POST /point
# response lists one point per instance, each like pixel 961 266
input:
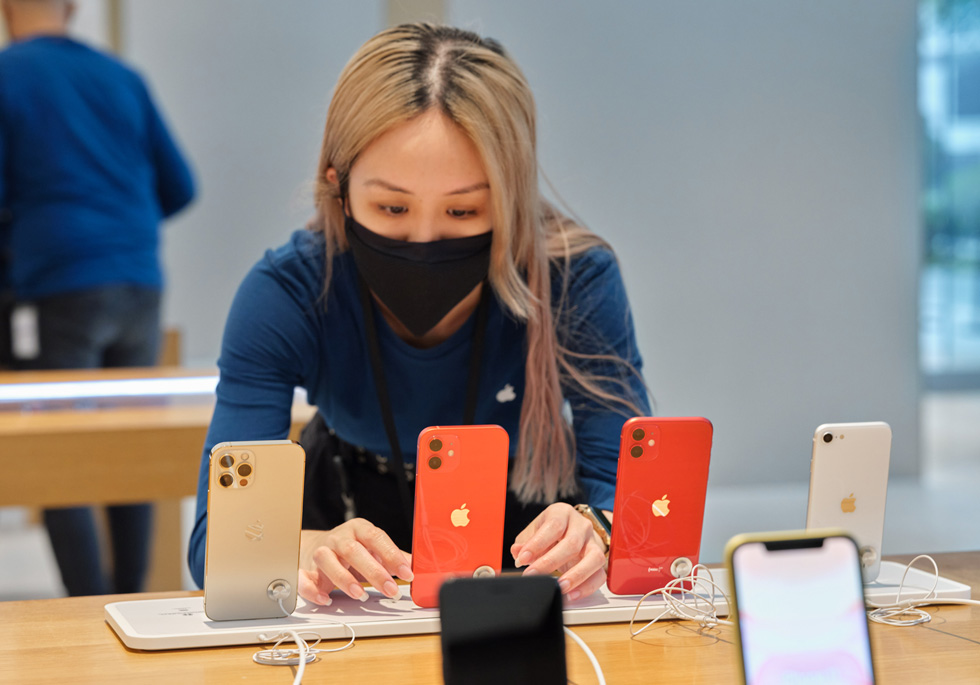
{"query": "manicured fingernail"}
pixel 572 596
pixel 323 600
pixel 405 572
pixel 532 572
pixel 391 590
pixel 357 592
pixel 564 585
pixel 523 559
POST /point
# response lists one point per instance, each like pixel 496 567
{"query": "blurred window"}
pixel 949 103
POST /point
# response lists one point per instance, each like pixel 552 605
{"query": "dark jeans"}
pixel 332 464
pixel 6 309
pixel 111 326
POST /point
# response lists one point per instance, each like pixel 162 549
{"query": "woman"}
pixel 435 286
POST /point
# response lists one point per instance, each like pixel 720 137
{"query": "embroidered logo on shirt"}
pixel 506 394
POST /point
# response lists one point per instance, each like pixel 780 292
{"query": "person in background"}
pixel 87 172
pixel 436 286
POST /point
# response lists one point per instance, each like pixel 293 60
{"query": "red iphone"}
pixel 460 495
pixel 659 506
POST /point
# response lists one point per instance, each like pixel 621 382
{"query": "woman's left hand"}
pixel 561 539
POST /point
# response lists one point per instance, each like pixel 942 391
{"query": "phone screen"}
pixel 801 612
pixel 506 629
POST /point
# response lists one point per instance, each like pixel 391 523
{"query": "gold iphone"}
pixel 255 512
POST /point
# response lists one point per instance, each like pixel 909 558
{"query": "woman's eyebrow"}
pixel 482 185
pixel 381 183
pixel 387 186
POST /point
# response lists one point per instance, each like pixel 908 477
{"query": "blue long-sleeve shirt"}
pixel 87 169
pixel 281 334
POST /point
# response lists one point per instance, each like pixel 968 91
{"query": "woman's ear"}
pixel 334 179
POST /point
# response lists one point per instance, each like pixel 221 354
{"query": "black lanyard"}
pixel 381 386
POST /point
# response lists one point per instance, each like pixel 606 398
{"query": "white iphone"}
pixel 848 484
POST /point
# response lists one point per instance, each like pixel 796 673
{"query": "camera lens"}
pixel 226 480
pixel 245 470
pixel 435 445
pixel 827 437
pixel 638 434
pixel 435 462
pixel 636 452
pixel 227 460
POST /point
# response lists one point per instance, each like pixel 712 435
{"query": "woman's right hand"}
pixel 343 557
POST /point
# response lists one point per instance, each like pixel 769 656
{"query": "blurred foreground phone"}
pixel 460 496
pixel 255 509
pixel 658 511
pixel 848 484
pixel 502 630
pixel 799 599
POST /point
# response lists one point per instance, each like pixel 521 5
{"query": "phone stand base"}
pixel 180 622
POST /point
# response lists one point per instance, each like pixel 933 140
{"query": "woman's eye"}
pixel 460 213
pixel 394 210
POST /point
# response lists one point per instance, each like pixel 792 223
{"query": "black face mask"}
pixel 419 282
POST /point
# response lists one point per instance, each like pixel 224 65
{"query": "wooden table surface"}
pixel 120 454
pixel 67 640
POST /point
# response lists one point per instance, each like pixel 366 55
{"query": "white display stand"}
pixel 178 623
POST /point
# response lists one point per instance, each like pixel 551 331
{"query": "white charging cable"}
pixel 304 653
pixel 683 600
pixel 588 653
pixel 905 611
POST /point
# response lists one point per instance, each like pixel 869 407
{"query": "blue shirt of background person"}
pixel 88 169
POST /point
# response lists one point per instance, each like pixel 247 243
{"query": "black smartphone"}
pixel 799 603
pixel 507 629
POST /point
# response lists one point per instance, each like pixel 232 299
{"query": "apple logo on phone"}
pixel 254 531
pixel 661 507
pixel 847 504
pixel 460 517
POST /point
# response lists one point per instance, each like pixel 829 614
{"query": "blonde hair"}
pixel 407 70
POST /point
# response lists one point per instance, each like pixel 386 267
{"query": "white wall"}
pixel 91 22
pixel 755 165
pixel 244 85
pixel 753 162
